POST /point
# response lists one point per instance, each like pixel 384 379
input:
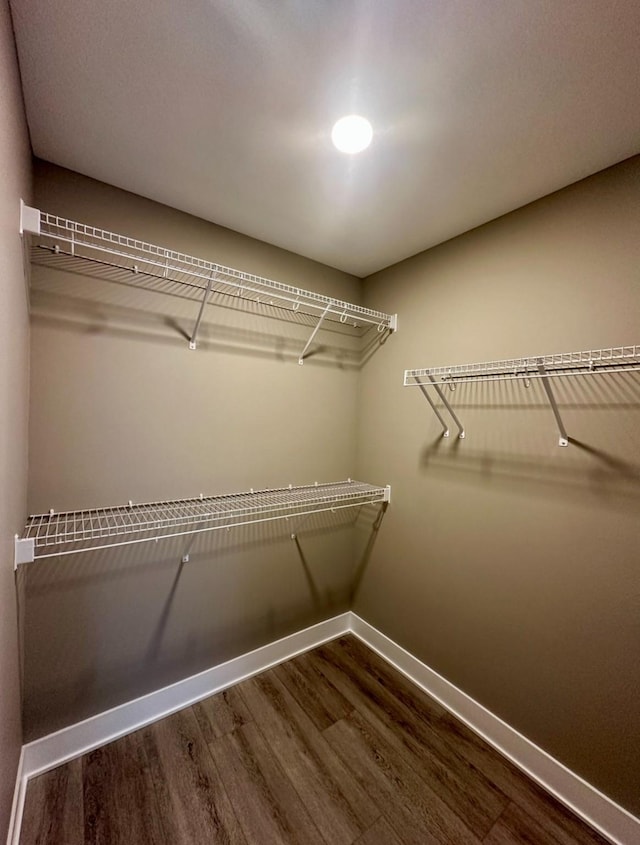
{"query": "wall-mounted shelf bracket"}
pixel 314 332
pixel 432 383
pixel 25 550
pixel 445 402
pixel 563 440
pixel 434 408
pixel 192 339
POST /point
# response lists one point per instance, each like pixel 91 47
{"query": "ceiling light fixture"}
pixel 352 134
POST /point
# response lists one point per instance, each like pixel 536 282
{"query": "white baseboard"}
pixel 15 820
pixel 54 749
pixel 613 821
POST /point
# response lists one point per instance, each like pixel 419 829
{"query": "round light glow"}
pixel 352 134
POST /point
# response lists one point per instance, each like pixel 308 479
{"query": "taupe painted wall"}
pixel 15 182
pixel 506 563
pixel 122 409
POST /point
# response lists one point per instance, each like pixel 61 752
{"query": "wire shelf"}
pixel 67 237
pixel 53 534
pixel 595 361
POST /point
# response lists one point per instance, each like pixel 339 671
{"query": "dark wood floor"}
pixel 331 748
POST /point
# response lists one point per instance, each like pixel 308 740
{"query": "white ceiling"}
pixel 223 108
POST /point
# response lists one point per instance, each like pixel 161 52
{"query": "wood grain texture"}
pixel 53 810
pixel 339 806
pixel 380 833
pixel 346 743
pixel 335 747
pixel 303 680
pixel 433 816
pixel 263 797
pixel 194 805
pixel 221 714
pixel 515 827
pixel 119 796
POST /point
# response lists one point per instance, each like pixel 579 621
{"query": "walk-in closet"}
pixel 320 429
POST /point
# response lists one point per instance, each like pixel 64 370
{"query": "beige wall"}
pixel 506 563
pixel 122 409
pixel 15 182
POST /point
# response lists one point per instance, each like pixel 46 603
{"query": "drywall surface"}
pixel 15 182
pixel 510 565
pixel 123 410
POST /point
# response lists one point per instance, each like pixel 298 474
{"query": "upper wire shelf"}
pixel 616 359
pixel 70 532
pixel 67 237
pixel 594 361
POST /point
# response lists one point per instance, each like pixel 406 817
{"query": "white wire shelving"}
pixel 618 359
pixel 71 532
pixel 78 240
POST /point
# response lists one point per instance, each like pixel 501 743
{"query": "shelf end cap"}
pixel 24 551
pixel 29 219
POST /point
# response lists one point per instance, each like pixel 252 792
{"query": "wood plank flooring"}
pixel 333 747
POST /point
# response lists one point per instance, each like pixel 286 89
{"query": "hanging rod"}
pixel 71 532
pixel 617 359
pixel 67 237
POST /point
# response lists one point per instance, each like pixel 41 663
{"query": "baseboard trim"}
pixel 54 749
pixel 17 806
pixel 612 821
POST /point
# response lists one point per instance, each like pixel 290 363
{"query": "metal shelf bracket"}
pixel 192 339
pixel 445 402
pixel 314 333
pixel 425 393
pixel 563 440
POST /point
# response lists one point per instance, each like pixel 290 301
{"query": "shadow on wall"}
pixel 510 439
pixel 119 303
pixel 365 536
pixel 107 626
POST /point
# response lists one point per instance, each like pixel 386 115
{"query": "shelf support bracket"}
pixel 425 392
pixel 192 339
pixel 563 440
pixel 445 402
pixel 24 551
pixel 314 333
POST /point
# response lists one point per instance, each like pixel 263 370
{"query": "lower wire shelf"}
pixel 71 532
